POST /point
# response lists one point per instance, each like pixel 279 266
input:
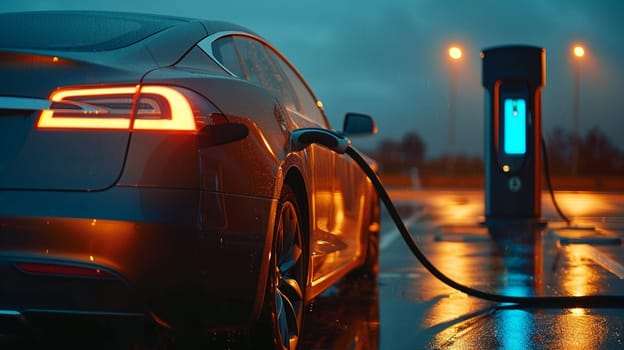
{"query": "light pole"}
pixel 455 53
pixel 579 52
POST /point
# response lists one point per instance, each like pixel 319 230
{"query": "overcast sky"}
pixel 388 58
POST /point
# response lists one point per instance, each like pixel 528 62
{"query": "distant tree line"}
pixel 595 155
pixel 404 155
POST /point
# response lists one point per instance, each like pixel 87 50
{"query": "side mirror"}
pixel 356 124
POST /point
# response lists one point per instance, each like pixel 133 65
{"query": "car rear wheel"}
pixel 282 316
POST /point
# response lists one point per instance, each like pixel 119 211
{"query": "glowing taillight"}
pixel 181 117
pixel 62 270
pixel 153 107
pixel 86 109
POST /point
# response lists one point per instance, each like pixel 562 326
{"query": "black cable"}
pixel 588 301
pixel 549 184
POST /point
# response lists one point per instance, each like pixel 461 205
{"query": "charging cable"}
pixel 301 138
pixel 549 184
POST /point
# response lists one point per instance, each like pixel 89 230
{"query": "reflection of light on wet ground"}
pixel 579 278
pixel 589 252
pixel 575 204
pixel 461 261
pixel 458 208
pixel 420 312
pixel 455 262
pixel 448 308
pixel 581 331
pixel 516 326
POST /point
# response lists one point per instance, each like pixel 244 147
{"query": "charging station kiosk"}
pixel 513 77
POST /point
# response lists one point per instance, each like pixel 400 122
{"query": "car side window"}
pixel 260 69
pixel 309 106
pixel 225 52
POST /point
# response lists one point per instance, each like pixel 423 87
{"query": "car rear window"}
pixel 73 31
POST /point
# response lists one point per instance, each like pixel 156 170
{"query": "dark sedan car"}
pixel 148 174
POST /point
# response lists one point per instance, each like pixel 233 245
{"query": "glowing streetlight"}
pixel 578 52
pixel 455 53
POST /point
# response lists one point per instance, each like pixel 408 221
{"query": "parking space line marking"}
pixel 600 258
pixel 388 237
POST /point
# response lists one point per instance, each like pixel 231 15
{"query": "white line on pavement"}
pixel 388 237
pixel 600 258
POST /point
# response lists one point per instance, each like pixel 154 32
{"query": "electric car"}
pixel 148 174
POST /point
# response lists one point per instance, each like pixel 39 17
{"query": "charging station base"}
pixel 530 223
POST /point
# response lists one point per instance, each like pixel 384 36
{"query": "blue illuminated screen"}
pixel 515 126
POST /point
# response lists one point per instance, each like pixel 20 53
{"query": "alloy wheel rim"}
pixel 289 277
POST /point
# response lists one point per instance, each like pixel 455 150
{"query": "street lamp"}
pixel 455 53
pixel 578 52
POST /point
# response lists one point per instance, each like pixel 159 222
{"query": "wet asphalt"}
pixel 408 308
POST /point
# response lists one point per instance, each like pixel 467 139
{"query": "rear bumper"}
pixel 51 329
pixel 169 254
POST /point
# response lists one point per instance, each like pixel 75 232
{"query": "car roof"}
pixel 149 40
pixel 88 31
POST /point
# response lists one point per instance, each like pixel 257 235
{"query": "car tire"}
pixel 281 321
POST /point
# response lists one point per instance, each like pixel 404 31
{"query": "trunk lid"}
pixel 33 158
